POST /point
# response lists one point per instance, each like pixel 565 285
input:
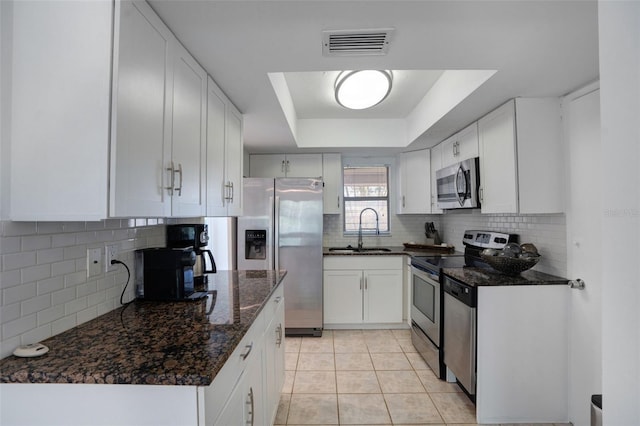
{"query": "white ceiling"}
pixel 539 48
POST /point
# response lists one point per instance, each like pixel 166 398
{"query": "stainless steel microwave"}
pixel 458 185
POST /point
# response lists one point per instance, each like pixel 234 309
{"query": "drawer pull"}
pixel 279 335
pixel 251 406
pixel 248 348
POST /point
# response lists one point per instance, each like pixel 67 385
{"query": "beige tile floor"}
pixel 366 377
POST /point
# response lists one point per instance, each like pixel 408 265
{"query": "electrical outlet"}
pixel 110 253
pixel 94 262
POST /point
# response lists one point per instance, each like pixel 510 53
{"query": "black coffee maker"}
pixel 196 236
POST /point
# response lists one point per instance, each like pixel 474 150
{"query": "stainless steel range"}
pixel 427 315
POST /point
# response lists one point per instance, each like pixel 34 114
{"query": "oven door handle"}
pixel 434 276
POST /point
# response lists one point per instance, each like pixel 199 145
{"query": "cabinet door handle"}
pixel 179 188
pixel 232 192
pixel 248 348
pixel 403 201
pixel 227 191
pixel 360 283
pixel 279 335
pixel 481 194
pixel 282 167
pixel 338 201
pixel 172 170
pixel 277 299
pixel 251 407
pixel 365 283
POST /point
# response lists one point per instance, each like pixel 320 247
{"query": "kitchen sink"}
pixel 350 249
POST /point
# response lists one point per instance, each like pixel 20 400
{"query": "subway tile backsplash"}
pixel 547 232
pixel 44 289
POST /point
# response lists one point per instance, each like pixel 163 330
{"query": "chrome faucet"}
pixel 360 225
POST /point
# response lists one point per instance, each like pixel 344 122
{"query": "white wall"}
pixel 44 288
pixel 619 27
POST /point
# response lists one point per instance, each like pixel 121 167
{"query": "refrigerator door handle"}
pixel 276 233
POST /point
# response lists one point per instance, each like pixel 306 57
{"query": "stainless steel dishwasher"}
pixel 460 301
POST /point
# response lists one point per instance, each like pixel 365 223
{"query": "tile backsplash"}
pixel 547 232
pixel 403 229
pixel 44 289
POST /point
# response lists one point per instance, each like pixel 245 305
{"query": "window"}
pixel 366 187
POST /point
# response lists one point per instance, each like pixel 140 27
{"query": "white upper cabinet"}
pixel 159 109
pixel 188 135
pixel 461 146
pixel 332 193
pixel 521 157
pixel 285 165
pixel 234 156
pixel 141 138
pixel 414 182
pixel 59 110
pixel 224 155
pixel 136 84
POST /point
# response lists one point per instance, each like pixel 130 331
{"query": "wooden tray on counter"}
pixel 429 247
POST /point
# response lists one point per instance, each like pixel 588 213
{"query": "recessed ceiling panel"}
pixel 313 94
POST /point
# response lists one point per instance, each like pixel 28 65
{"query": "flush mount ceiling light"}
pixel 362 89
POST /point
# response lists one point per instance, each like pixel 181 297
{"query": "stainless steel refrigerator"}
pixel 281 228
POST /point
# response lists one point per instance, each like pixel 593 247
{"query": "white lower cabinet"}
pixel 247 389
pixel 245 405
pixel 342 297
pixel 363 290
pixel 274 363
pixel 523 362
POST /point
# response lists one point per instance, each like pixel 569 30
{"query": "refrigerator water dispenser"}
pixel 255 244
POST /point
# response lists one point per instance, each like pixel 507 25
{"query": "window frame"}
pixel 369 162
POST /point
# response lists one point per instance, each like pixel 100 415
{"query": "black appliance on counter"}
pixel 195 236
pixel 428 294
pixel 166 274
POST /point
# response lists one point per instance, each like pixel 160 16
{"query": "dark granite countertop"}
pixel 159 343
pixel 478 277
pixel 394 251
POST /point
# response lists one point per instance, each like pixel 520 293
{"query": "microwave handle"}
pixel 459 173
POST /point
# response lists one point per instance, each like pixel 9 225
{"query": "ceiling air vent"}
pixel 356 42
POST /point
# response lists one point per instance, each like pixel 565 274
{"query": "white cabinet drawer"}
pixel 275 301
pixel 362 262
